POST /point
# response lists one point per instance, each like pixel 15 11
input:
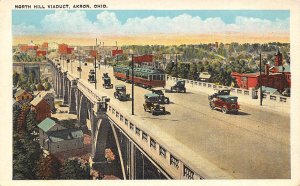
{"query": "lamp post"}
pixel 95 66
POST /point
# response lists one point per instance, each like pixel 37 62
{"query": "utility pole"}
pixel 261 93
pixel 176 66
pixel 132 85
pixel 95 67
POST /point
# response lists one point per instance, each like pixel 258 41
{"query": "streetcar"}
pixel 144 77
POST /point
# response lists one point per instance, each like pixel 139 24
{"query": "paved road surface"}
pixel 252 144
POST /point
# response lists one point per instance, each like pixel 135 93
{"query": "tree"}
pixel 193 75
pixel 74 170
pixel 48 168
pixel 40 87
pixel 47 86
pixel 16 78
pixel 26 154
pixel 31 125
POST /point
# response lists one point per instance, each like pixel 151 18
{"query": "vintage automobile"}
pixel 151 104
pixel 105 75
pixel 162 98
pixel 225 103
pixel 91 78
pixel 219 92
pixel 107 82
pixel 178 87
pixel 120 93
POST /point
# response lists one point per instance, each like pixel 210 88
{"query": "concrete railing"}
pixel 168 160
pixel 238 91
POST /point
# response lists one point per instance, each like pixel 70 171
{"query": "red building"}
pixel 143 58
pixel 116 52
pixel 41 107
pixel 45 45
pixel 70 50
pixel 278 59
pixel 41 53
pixel 63 48
pixel 278 76
pixel 93 53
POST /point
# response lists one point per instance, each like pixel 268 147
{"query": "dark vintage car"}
pixel 162 98
pixel 106 81
pixel 151 104
pixel 91 78
pixel 178 87
pixel 225 103
pixel 120 93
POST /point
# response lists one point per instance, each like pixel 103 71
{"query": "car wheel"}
pixel 224 110
pixel 236 112
pixel 211 105
pixel 167 101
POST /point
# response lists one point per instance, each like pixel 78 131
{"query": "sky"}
pixel 155 25
pixel 149 22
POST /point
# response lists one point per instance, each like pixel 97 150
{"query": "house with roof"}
pixel 48 96
pixel 23 96
pixel 41 107
pixel 56 138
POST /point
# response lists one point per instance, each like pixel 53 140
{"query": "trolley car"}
pixel 144 77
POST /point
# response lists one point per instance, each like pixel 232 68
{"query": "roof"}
pixel 36 100
pixel 269 89
pixel 44 93
pixel 66 134
pixel 19 92
pixel 227 96
pixel 119 86
pixel 205 75
pixel 151 95
pixel 46 124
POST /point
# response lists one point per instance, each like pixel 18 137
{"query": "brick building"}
pixel 277 77
pixel 41 107
pixel 144 60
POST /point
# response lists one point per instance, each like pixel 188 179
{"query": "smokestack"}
pixel 267 69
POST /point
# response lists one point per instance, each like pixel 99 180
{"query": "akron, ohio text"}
pixel 64 6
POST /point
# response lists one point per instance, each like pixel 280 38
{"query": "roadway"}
pixel 252 144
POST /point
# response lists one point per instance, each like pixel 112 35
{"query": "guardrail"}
pixel 238 91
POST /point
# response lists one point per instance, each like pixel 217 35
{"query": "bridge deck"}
pixel 253 144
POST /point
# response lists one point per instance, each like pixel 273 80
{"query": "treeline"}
pixel 29 82
pixel 24 57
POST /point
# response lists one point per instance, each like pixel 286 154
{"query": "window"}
pixel 174 161
pixel 152 143
pixel 150 77
pixel 162 152
pixel 188 173
pixel 137 131
pixel 154 77
pixel 145 136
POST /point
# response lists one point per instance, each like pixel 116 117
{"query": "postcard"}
pixel 197 92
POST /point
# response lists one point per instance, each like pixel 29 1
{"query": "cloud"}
pixel 23 29
pixel 107 23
